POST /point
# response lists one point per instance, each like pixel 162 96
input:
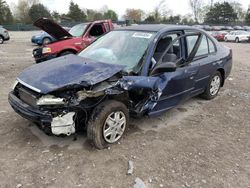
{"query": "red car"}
pixel 219 35
pixel 72 42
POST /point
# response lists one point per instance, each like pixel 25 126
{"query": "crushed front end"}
pixel 62 112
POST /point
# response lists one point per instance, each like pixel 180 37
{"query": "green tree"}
pixel 247 19
pixel 110 14
pixel 75 13
pixel 38 11
pixel 221 13
pixel 56 16
pixel 150 19
pixel 5 13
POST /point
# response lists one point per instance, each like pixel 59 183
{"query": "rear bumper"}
pixel 29 112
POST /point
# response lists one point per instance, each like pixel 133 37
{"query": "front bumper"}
pixel 40 57
pixel 63 124
pixel 29 112
pixel 7 38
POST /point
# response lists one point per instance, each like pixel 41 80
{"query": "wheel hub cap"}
pixel 114 127
pixel 215 85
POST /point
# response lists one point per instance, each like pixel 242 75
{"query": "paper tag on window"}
pixel 142 35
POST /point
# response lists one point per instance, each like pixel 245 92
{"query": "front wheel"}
pixel 237 40
pixel 108 124
pixel 213 87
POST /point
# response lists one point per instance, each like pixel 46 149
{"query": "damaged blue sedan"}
pixel 132 71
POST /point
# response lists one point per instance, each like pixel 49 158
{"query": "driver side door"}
pixel 180 83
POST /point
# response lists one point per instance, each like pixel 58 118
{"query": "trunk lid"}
pixel 66 71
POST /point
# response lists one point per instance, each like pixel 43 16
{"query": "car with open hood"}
pixel 135 71
pixel 68 42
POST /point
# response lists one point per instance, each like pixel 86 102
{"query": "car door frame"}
pixel 182 74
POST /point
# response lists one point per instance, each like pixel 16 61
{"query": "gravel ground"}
pixel 198 144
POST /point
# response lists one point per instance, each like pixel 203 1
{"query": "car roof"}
pixel 156 27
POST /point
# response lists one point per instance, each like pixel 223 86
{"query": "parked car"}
pixel 4 35
pixel 246 28
pixel 138 70
pixel 72 42
pixel 44 38
pixel 229 28
pixel 238 28
pixel 219 35
pixel 237 36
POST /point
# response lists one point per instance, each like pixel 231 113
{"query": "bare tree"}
pixel 196 6
pixel 161 11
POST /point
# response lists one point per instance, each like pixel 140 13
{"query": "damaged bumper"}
pixel 61 124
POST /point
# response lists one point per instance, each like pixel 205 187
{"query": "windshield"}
pixel 78 30
pixel 120 48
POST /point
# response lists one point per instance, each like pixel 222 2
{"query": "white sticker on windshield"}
pixel 142 35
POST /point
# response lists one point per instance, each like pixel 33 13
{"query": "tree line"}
pixel 27 11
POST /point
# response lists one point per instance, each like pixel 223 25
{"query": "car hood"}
pixel 66 71
pixel 52 28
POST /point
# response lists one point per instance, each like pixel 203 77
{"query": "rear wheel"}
pixel 213 86
pixel 237 40
pixel 226 40
pixel 108 124
pixel 1 40
pixel 46 41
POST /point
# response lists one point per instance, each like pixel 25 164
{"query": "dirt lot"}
pixel 199 144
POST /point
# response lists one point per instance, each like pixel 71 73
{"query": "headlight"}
pixel 50 100
pixel 14 85
pixel 46 50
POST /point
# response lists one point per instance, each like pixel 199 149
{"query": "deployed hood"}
pixel 52 28
pixel 66 71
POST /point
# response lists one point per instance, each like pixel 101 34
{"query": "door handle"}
pixel 191 72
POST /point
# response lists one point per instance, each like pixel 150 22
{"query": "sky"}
pixel 177 6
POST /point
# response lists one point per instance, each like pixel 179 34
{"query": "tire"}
pixel 237 40
pixel 215 82
pixel 98 124
pixel 46 40
pixel 66 53
pixel 1 40
pixel 225 39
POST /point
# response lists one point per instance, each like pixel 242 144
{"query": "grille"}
pixel 27 96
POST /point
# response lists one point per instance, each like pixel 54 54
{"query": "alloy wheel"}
pixel 114 127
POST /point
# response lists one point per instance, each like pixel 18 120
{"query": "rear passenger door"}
pixel 204 58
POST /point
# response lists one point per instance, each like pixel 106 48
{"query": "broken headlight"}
pixel 50 100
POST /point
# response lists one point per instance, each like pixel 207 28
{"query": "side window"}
pixel 203 48
pixel 96 30
pixel 211 46
pixel 174 51
pixel 191 40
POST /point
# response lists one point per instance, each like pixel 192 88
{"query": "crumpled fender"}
pixel 154 84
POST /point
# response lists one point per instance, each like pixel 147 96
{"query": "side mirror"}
pixel 164 67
